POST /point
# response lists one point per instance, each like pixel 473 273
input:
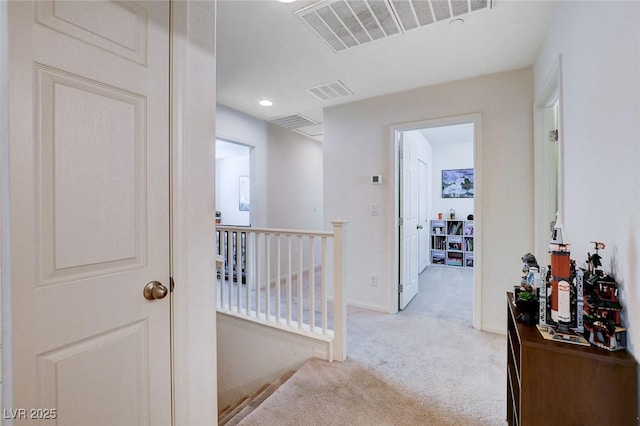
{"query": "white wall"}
pixel 228 172
pixel 287 171
pixel 600 47
pixel 251 355
pixel 295 180
pixel 446 157
pixel 235 126
pixel 357 144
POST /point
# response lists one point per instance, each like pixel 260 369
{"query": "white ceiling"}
pixel 265 51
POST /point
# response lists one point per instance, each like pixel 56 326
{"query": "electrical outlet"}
pixel 373 210
pixel 374 280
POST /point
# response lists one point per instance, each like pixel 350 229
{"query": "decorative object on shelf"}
pixel 469 217
pixel 601 308
pixel 457 183
pixel 452 214
pixel 439 216
pixel 526 294
pixel 218 216
pixel 550 333
pixel 572 301
pixel 565 300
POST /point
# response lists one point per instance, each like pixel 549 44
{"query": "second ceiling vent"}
pixel 293 121
pixel 332 90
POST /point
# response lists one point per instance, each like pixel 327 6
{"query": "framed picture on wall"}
pixel 244 194
pixel 457 183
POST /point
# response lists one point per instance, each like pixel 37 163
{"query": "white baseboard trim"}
pixel 493 328
pixel 369 306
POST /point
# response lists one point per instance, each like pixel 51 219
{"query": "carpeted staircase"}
pixel 234 413
pixel 424 366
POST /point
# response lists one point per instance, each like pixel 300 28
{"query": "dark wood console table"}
pixel 552 383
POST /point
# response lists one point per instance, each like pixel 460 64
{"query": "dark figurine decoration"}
pixel 601 309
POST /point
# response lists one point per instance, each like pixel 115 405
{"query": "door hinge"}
pixel 172 284
pixel 400 221
pixel 553 136
pixel 400 288
pixel 401 154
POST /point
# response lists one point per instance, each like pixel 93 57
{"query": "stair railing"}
pixel 285 279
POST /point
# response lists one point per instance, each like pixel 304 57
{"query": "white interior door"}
pixel 423 217
pixel 409 225
pixel 89 144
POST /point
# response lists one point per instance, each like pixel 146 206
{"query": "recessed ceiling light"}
pixel 456 22
pixel 286 1
pixel 265 102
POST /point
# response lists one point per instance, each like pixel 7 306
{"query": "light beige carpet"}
pixel 424 366
pixel 347 394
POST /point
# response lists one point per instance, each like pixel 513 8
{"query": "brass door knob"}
pixel 154 290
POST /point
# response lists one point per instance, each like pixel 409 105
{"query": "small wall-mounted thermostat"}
pixel 376 179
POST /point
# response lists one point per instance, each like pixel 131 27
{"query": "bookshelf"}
pixel 452 243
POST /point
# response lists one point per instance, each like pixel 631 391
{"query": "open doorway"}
pixel 548 159
pixel 233 183
pixel 437 200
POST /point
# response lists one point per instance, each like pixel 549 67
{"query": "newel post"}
pixel 339 291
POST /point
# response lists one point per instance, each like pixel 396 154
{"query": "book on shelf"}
pixel 454 228
pixel 468 242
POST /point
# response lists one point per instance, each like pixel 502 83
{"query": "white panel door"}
pixel 90 210
pixel 409 227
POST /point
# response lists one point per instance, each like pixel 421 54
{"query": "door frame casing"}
pixel 394 223
pixel 192 212
pixel 6 379
pixel 550 93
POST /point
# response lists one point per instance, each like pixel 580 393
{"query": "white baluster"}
pixel 312 285
pixel 300 292
pixel 267 273
pixel 323 279
pixel 278 275
pixel 230 268
pixel 288 279
pixel 339 292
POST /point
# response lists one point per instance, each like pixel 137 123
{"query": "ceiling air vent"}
pixel 326 91
pixel 344 24
pixel 293 121
pixel 311 131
